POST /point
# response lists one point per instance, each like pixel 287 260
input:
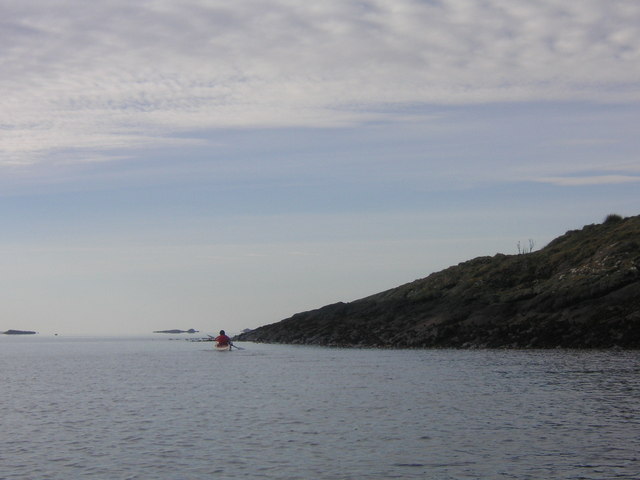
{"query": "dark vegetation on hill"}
pixel 581 291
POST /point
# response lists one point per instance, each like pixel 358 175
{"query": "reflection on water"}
pixel 140 408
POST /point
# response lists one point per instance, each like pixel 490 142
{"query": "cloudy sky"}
pixel 210 164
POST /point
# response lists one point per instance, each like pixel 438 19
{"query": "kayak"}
pixel 222 348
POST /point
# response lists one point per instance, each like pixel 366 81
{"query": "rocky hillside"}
pixel 582 291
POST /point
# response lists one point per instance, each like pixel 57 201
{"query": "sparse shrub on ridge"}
pixel 613 218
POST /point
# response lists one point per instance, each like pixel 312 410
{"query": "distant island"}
pixel 191 330
pixel 19 332
pixel 580 291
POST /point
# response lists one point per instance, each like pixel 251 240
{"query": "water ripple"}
pixel 167 410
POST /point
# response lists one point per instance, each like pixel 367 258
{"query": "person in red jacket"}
pixel 222 340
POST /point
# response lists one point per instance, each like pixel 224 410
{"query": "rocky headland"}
pixel 580 291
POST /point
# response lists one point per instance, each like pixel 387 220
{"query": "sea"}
pixel 157 408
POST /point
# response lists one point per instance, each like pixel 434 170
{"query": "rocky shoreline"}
pixel 581 291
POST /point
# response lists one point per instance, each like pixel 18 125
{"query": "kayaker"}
pixel 222 340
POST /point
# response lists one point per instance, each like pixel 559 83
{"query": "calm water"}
pixel 160 409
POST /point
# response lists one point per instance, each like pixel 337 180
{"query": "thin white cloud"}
pixel 579 181
pixel 112 75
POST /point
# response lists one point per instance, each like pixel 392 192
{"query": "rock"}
pixel 191 330
pixel 580 291
pixel 19 332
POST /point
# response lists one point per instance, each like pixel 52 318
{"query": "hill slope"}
pixel 582 290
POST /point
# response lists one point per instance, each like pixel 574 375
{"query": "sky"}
pixel 224 165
